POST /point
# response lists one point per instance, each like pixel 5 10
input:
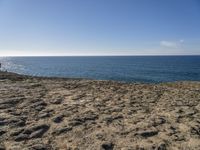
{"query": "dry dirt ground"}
pixel 78 114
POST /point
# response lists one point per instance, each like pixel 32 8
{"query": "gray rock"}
pixel 162 146
pixel 107 146
pixel 38 131
pixel 37 134
pixel 21 137
pixel 147 133
pixel 58 119
pixel 39 105
pixel 16 132
pixel 61 130
pixel 3 121
pixel 44 115
pixel 56 101
pixel 39 147
pixel 39 108
pixel 110 119
pixel 18 123
pixel 195 130
pixel 31 132
pixel 2 132
pixel 158 121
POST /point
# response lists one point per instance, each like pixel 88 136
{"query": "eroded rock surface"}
pixel 77 114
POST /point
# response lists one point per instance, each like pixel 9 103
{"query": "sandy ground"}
pixel 77 114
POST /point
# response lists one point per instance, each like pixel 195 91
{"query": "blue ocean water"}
pixel 121 68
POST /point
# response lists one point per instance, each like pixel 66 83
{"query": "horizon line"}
pixel 95 55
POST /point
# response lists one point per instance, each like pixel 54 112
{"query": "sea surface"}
pixel 151 69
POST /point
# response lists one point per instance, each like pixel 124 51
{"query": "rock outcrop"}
pixel 78 114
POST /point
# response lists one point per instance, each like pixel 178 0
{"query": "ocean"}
pixel 148 69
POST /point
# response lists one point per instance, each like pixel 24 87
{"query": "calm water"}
pixel 121 68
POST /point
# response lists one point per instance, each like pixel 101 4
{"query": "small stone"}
pixel 147 133
pixel 75 123
pixel 39 147
pixel 19 123
pixel 37 134
pixel 110 119
pixel 56 101
pixel 2 132
pixel 107 146
pixel 198 120
pixel 158 121
pixel 61 130
pixel 196 130
pixel 99 136
pixel 3 122
pixel 58 119
pixel 38 131
pixel 44 115
pixel 39 108
pixel 162 146
pixel 39 105
pixel 16 132
pixel 21 137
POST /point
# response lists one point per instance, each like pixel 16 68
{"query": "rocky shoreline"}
pixel 40 113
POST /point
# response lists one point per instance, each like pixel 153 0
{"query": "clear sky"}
pixel 99 27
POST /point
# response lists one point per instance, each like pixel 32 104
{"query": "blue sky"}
pixel 99 27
